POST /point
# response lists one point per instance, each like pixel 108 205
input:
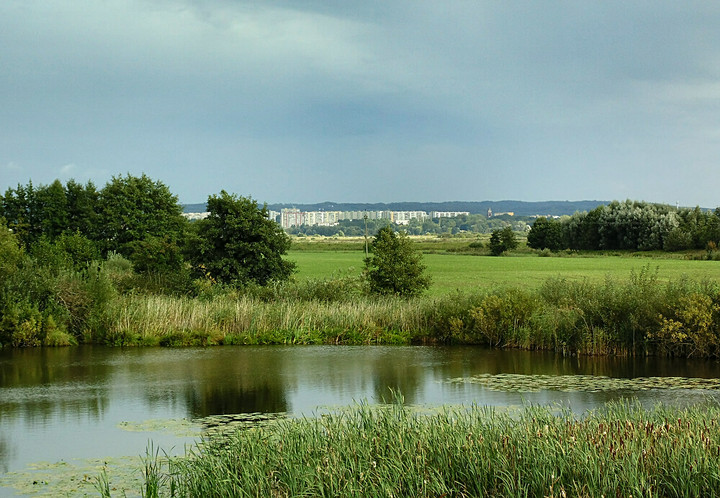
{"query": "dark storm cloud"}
pixel 366 101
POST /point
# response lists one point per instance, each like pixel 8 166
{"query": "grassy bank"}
pixel 601 305
pixel 640 315
pixel 621 450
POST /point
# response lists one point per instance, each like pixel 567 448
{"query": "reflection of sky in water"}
pixel 66 404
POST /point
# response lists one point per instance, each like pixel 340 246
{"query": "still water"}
pixel 62 404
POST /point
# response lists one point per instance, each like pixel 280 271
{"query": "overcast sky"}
pixel 366 101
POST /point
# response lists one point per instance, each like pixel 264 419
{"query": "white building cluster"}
pixel 292 217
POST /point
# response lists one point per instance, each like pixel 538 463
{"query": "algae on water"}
pixel 583 383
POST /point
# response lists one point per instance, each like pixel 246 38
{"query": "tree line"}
pixel 68 251
pixel 630 225
pixel 141 219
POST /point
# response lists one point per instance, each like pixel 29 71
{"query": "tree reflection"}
pixel 6 453
pixel 42 384
pixel 234 398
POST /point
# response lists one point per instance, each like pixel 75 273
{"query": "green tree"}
pixel 83 207
pixel 18 209
pixel 546 233
pixel 394 267
pixel 10 254
pixel 238 244
pixel 502 240
pixel 135 208
pixel 52 209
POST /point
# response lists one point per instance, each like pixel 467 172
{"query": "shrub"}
pixel 499 317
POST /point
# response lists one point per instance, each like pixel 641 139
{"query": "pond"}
pixel 93 404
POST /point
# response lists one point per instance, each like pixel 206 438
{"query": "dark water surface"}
pixel 70 403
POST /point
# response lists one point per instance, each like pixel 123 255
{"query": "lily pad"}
pixel 583 383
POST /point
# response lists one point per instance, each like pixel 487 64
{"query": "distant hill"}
pixel 520 208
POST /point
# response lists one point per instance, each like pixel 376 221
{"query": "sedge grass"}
pixel 620 450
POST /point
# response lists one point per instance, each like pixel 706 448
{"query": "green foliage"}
pixel 546 234
pixel 79 250
pixel 499 317
pixel 394 268
pixel 633 225
pixel 237 243
pixel 10 253
pixel 135 208
pixel 502 240
pixel 83 208
pixel 156 254
pixel 622 449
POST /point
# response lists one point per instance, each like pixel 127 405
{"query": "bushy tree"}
pixel 238 244
pixel 394 267
pixel 502 240
pixel 133 208
pixel 546 233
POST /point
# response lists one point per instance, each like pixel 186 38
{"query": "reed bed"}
pixel 640 317
pixel 168 320
pixel 620 450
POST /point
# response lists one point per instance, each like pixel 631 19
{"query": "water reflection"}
pixel 5 454
pixel 68 402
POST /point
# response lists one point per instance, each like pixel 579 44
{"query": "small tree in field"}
pixel 394 267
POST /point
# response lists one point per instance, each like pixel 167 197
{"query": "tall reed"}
pixel 621 450
pixel 640 316
pixel 248 320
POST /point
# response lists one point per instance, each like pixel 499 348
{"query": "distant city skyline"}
pixel 372 101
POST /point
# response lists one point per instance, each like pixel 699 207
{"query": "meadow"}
pixel 453 270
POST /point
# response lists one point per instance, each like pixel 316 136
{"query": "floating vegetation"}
pixel 209 426
pixel 221 425
pixel 583 383
pixel 76 477
pixel 176 427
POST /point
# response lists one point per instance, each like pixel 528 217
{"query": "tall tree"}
pixel 83 207
pixel 546 233
pixel 133 208
pixel 52 207
pixel 238 244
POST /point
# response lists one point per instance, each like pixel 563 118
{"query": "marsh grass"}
pixel 166 320
pixel 620 450
pixel 638 316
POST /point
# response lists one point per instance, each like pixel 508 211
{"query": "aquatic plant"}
pixel 619 450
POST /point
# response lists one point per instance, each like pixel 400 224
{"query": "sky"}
pixel 307 101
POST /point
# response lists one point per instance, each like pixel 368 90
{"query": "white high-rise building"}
pixel 291 217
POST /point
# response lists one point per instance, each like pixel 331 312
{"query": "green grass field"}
pixel 465 272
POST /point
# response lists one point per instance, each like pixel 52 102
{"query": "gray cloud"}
pixel 371 101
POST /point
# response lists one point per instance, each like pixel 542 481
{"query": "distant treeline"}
pixel 630 225
pixel 520 208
